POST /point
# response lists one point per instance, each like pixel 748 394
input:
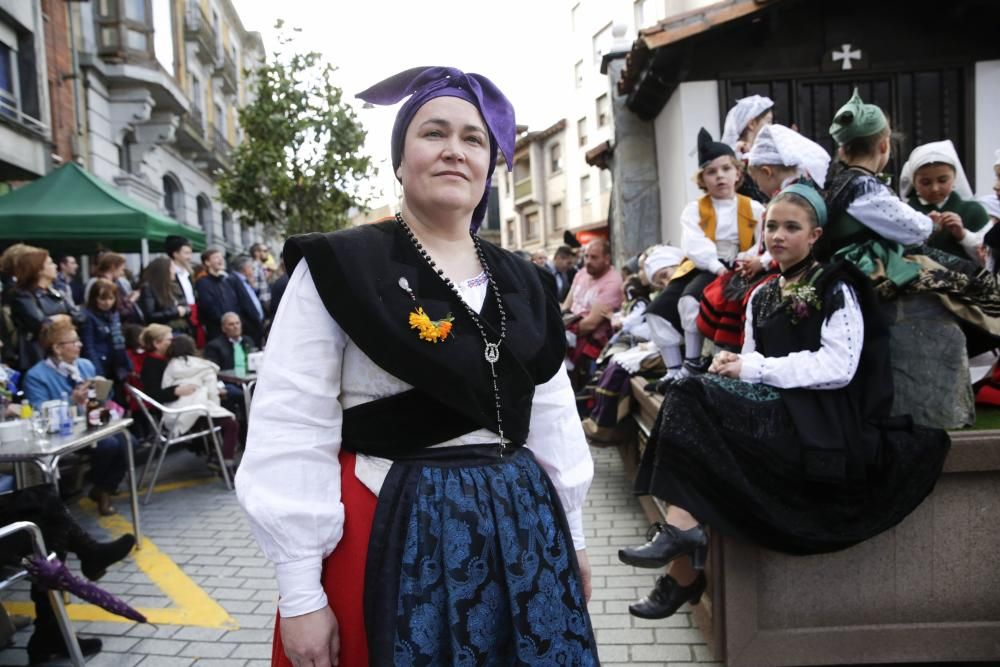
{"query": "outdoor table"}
pixel 46 455
pixel 245 380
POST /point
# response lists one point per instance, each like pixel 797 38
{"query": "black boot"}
pixel 43 649
pixel 668 596
pixel 95 557
pixel 666 544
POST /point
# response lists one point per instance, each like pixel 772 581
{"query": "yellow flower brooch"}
pixel 430 330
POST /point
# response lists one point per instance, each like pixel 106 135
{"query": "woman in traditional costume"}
pixel 744 121
pixel 415 466
pixel 884 237
pixel 933 182
pixel 718 231
pixel 788 444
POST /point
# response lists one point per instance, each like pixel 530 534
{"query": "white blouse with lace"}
pixel 289 479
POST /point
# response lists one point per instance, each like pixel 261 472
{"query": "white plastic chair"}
pixel 167 435
pixel 38 546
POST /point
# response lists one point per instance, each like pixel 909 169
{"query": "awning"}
pixel 72 210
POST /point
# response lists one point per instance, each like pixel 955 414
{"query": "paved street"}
pixel 201 579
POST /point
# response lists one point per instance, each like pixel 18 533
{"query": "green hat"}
pixel 857 119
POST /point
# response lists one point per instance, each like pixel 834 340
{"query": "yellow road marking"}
pixel 191 605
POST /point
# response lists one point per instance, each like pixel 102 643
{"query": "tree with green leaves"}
pixel 299 166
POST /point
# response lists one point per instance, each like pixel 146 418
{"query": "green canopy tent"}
pixel 72 210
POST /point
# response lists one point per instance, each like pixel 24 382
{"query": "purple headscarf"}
pixel 423 84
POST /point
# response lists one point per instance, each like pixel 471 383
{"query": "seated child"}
pixel 747 117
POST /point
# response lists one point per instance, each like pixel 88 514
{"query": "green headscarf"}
pixel 857 119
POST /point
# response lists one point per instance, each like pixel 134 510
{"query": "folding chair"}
pixel 166 435
pixel 38 545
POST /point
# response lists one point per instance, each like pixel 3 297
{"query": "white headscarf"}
pixel 739 116
pixel 660 257
pixel 779 145
pixel 937 151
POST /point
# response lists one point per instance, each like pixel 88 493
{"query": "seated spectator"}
pixel 101 333
pixel 34 302
pixel 63 373
pixel 175 376
pixel 788 444
pixel 42 506
pixel 111 267
pixel 215 293
pixel 162 302
pixel 933 182
pixel 250 309
pixel 229 352
pixel 595 294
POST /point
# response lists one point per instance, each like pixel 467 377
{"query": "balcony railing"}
pixel 10 109
pixel 523 189
pixel 223 150
pixel 227 75
pixel 198 29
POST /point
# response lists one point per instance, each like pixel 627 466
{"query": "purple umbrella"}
pixel 54 575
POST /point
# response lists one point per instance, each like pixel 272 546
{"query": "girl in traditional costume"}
pixel 788 444
pixel 781 156
pixel 884 237
pixel 415 466
pixel 717 232
pixel 744 121
pixel 933 182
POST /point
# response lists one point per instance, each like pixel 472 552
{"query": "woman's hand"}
pixel 731 369
pixel 721 360
pixel 312 640
pixel 185 390
pixel 182 311
pixel 80 391
pixel 584 561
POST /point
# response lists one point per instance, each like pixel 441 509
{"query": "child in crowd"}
pixel 744 121
pixel 781 156
pixel 101 333
pixel 870 227
pixel 789 444
pixel 933 182
pixel 717 231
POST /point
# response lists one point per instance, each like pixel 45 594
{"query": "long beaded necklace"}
pixel 491 351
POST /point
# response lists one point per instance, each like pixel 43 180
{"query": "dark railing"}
pixel 226 72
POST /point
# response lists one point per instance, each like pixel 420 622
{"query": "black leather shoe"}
pixel 668 596
pixel 46 649
pixel 666 543
pixel 95 557
pixel 697 365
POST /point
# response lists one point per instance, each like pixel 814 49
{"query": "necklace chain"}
pixel 491 350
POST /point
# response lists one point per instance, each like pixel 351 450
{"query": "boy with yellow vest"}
pixel 718 231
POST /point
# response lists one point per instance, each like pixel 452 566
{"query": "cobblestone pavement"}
pixel 216 608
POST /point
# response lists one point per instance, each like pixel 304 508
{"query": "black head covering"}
pixel 708 149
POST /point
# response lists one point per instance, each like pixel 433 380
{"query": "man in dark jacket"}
pixel 250 309
pixel 215 293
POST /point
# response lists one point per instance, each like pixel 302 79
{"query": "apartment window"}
pixel 585 190
pixel 648 12
pixel 8 81
pixel 578 73
pixel 205 215
pixel 220 119
pixel 522 170
pixel 558 217
pixel 603 111
pixel 531 226
pixel 605 180
pixel 125 152
pixel 125 29
pixel 511 232
pixel 581 130
pixel 555 158
pixel 19 95
pixel 173 197
pixel 601 43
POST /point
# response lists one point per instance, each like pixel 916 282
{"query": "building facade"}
pixel 162 80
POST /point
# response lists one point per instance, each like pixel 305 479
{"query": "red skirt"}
pixel 344 571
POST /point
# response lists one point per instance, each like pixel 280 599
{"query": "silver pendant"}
pixel 404 284
pixel 492 352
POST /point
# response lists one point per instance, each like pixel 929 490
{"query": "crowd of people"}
pixel 765 333
pixel 167 334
